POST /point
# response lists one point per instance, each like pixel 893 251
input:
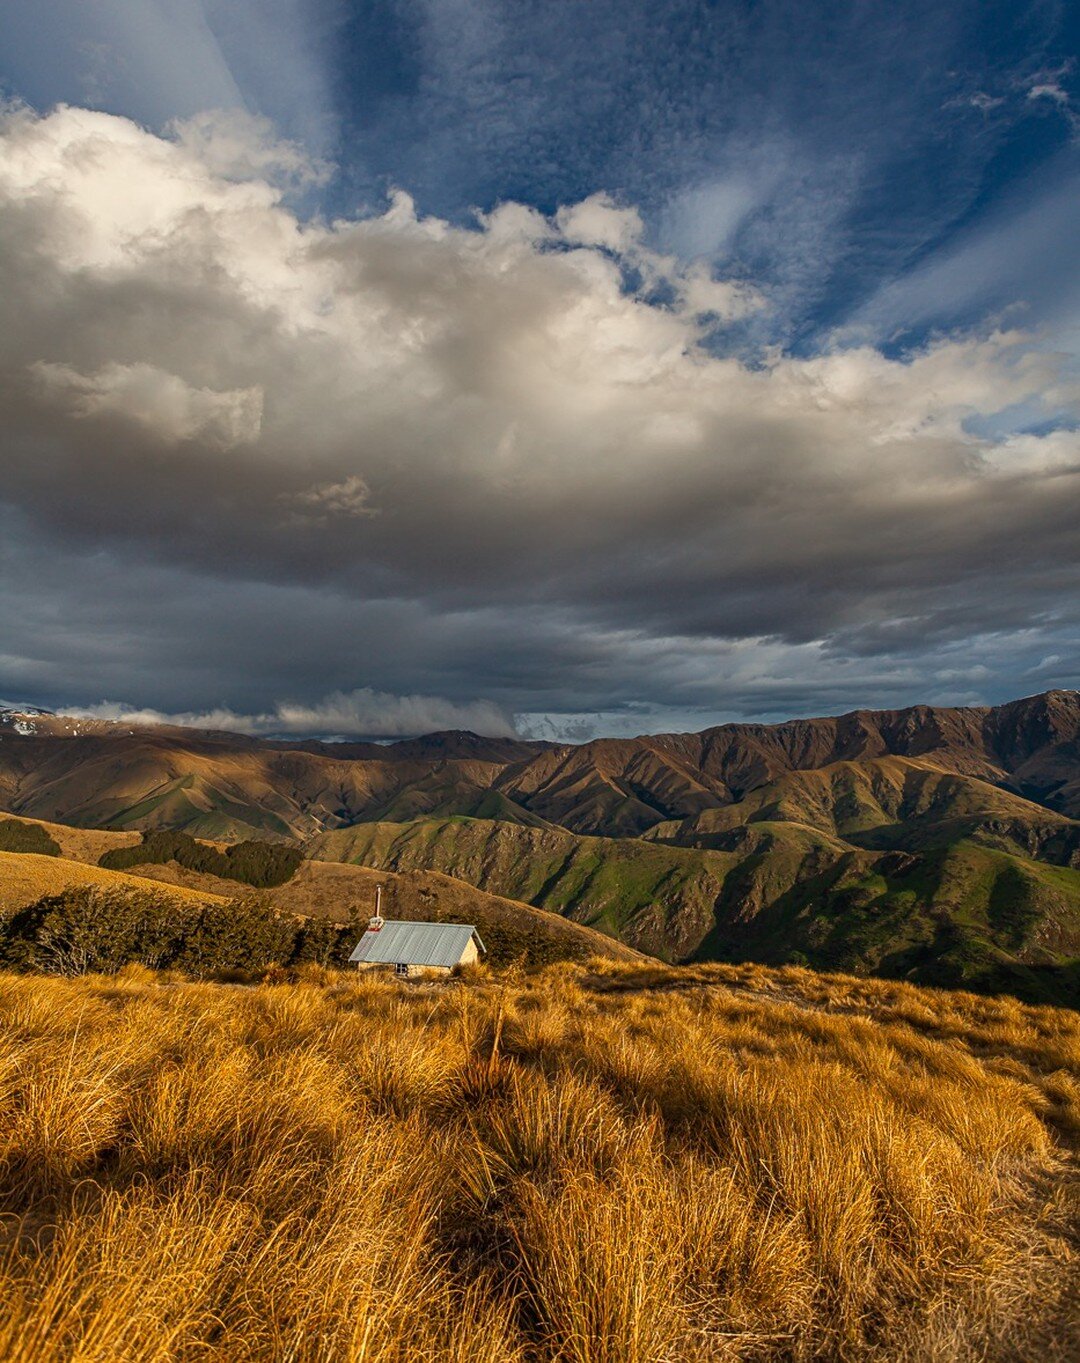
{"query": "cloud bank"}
pixel 510 461
pixel 360 713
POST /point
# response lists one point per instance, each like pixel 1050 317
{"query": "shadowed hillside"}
pixel 888 802
pixel 964 914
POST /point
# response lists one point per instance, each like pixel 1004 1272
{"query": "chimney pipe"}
pixel 377 922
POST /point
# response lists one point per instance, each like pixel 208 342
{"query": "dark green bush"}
pixel 324 943
pixel 17 836
pixel 241 934
pixel 262 865
pixel 91 929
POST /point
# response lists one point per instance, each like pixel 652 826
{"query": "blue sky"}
pixel 894 167
pixel 883 178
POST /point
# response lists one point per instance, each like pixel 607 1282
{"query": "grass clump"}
pixel 602 1164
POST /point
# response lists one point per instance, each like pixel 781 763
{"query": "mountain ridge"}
pixel 939 844
pixel 606 787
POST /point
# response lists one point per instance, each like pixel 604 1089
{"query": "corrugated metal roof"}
pixel 397 943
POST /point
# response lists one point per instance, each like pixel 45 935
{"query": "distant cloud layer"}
pixel 497 462
pixel 372 714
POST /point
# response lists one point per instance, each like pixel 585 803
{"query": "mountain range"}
pixel 937 843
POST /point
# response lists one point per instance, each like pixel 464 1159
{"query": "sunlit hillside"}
pixel 593 1164
pixel 26 877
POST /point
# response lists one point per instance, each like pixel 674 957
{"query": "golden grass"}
pixel 27 877
pixel 616 1164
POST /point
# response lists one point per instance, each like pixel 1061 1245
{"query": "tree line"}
pixel 262 865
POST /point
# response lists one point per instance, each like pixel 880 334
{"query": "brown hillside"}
pixel 340 892
pixel 882 802
pixel 1032 745
pixel 231 786
pixel 615 787
pixel 85 844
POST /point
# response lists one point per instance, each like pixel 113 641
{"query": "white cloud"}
pixel 599 221
pixel 378 715
pixel 701 295
pixel 983 102
pixel 1049 90
pixel 362 713
pixel 702 220
pixel 240 146
pixel 1053 92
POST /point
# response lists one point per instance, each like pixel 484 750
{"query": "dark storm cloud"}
pixel 284 468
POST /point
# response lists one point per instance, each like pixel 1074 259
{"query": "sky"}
pixel 370 367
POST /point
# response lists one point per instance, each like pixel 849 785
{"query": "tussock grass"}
pixel 603 1164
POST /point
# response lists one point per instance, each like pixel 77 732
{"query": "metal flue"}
pixel 377 922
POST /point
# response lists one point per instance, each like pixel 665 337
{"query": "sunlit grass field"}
pixel 606 1164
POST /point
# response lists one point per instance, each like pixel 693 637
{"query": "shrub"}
pixel 17 836
pixel 241 934
pixel 88 929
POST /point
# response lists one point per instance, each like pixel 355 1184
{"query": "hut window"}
pixel 401 968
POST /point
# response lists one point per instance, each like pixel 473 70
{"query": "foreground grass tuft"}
pixel 607 1164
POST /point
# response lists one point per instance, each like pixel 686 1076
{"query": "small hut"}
pixel 416 949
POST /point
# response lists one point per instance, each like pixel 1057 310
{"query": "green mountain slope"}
pixel 962 916
pixel 966 914
pixel 660 900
